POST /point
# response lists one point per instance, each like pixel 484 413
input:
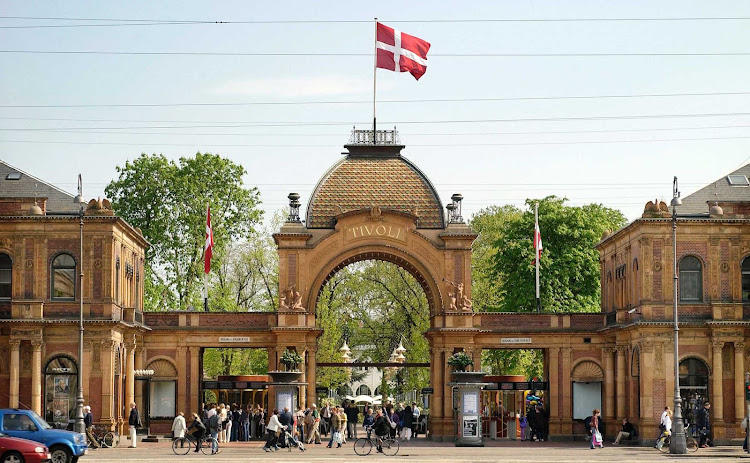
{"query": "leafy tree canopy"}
pixel 569 267
pixel 167 201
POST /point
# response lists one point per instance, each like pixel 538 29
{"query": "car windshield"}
pixel 40 420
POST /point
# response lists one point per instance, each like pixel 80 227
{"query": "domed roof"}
pixel 374 176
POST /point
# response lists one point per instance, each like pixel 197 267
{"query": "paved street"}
pixel 421 451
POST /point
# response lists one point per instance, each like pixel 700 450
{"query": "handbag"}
pixel 597 437
pixel 337 437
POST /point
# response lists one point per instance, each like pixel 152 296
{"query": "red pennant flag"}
pixel 209 249
pixel 537 241
pixel 401 52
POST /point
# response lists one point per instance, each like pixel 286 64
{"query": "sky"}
pixel 595 110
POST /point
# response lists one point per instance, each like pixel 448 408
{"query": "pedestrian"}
pixel 666 427
pixel 88 421
pixel 273 428
pixel 369 419
pixel 200 430
pixel 335 432
pixel 352 418
pixel 235 433
pixel 415 412
pixel 326 421
pixel 596 437
pixel 382 428
pixel 406 426
pixel 704 425
pixel 542 418
pixel 245 423
pixel 314 434
pixel 394 419
pixel 179 426
pixel 287 422
pixel 134 421
pixel 300 423
pixel 214 425
pixel 523 423
pixel 533 432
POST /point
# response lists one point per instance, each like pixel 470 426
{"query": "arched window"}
pixel 746 279
pixel 64 277
pixel 694 384
pixel 691 279
pixel 6 271
pixel 60 376
pixel 363 390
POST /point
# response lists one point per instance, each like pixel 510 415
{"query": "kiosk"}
pixel 467 386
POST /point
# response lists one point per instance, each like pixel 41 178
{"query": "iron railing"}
pixel 374 137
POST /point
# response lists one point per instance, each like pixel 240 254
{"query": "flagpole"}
pixel 375 82
pixel 537 232
pixel 205 275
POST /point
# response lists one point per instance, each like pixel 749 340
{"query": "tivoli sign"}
pixel 382 230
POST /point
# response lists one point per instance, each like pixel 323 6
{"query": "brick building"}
pixel 374 204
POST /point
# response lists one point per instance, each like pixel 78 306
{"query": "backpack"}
pixel 587 423
pixel 213 422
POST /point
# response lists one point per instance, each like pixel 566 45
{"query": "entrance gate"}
pixel 376 205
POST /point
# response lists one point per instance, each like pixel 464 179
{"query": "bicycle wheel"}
pixel 665 445
pixel 109 439
pixel 692 444
pixel 209 446
pixel 181 446
pixel 362 446
pixel 390 447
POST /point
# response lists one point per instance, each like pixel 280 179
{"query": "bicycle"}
pixel 182 445
pixel 363 446
pixel 690 442
pixel 105 439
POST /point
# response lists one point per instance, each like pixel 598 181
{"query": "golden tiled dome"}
pixel 375 176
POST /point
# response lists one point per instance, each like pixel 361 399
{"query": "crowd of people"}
pixel 534 424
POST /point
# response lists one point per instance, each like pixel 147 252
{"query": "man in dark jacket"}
pixel 382 428
pixel 352 417
pixel 134 421
pixel 287 420
pixel 704 425
pixel 200 430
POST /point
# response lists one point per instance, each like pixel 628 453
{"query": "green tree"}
pixel 167 201
pixel 569 266
pixel 234 361
pixel 526 362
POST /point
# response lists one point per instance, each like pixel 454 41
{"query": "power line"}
pixel 426 100
pixel 340 54
pixel 339 135
pixel 238 124
pixel 254 145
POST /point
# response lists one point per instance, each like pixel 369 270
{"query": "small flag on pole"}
pixel 400 52
pixel 209 249
pixel 537 240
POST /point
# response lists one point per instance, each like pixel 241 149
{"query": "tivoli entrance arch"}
pixel 375 204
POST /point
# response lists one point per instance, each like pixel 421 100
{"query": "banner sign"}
pixel 515 340
pixel 234 339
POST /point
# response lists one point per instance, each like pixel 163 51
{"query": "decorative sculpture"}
pixel 291 300
pixel 458 300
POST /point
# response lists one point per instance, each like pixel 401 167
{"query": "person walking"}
pixel 314 434
pixel 407 424
pixel 415 412
pixel 704 425
pixel 342 424
pixel 335 428
pixel 214 425
pixel 666 429
pixel 542 419
pixel 352 418
pixel 134 421
pixel 301 423
pixel 235 433
pixel 596 437
pixel 179 426
pixel 325 414
pixel 274 426
pixel 200 430
pixel 245 423
pixel 88 422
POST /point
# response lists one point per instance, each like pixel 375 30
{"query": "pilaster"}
pixel 717 391
pixel 15 370
pixel 621 352
pixel 739 379
pixel 36 375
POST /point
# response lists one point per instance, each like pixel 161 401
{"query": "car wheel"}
pixel 61 454
pixel 12 457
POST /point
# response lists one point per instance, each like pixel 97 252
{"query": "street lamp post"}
pixel 678 444
pixel 79 425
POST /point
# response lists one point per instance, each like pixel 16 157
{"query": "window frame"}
pixel 744 272
pixel 9 269
pixel 53 268
pixel 680 286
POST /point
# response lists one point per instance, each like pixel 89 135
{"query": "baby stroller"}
pixel 289 441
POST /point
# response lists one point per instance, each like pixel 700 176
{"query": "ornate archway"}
pixel 376 205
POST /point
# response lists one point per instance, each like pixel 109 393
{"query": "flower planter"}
pixel 467 376
pixel 284 377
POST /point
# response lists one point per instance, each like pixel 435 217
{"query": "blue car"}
pixel 64 446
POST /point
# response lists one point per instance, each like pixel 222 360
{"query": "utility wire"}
pixel 425 100
pixel 237 124
pixel 369 55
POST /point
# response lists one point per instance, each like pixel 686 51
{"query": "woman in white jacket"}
pixel 178 426
pixel 272 428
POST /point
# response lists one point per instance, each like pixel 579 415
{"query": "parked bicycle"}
pixel 663 443
pixel 182 445
pixel 104 437
pixel 363 445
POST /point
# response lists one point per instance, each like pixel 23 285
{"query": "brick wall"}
pixel 171 353
pixel 24 392
pixel 727 385
pixel 591 353
pixel 660 395
pixel 155 320
pixel 95 397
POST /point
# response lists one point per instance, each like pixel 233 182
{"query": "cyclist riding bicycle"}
pixel 382 428
pixel 200 431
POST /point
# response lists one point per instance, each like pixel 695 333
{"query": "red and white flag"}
pixel 537 240
pixel 400 52
pixel 209 249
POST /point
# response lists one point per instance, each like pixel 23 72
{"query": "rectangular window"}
pixel 64 283
pixel 586 397
pixel 690 286
pixel 5 287
pixel 162 399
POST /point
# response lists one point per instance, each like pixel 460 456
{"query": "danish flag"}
pixel 537 240
pixel 400 52
pixel 209 249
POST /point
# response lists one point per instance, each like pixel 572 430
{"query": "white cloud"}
pixel 298 86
